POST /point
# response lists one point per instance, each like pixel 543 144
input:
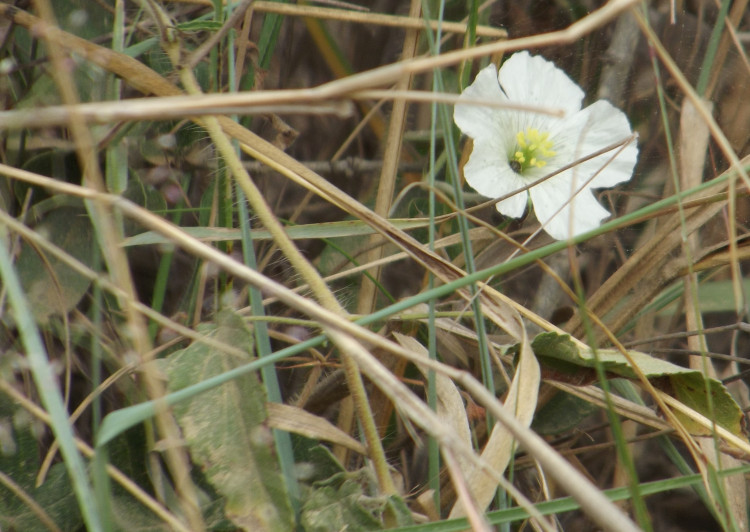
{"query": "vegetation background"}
pixel 244 286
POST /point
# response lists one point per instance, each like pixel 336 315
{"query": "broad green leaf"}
pixel 688 386
pixel 51 286
pixel 129 516
pixel 561 413
pixel 145 196
pixel 337 500
pixel 20 461
pixel 342 502
pixel 225 432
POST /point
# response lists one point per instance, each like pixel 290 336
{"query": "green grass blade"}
pixel 713 44
pixel 49 391
pixel 568 504
pixel 263 347
pixel 343 229
pixel 120 420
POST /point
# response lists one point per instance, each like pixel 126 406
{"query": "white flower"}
pixel 513 148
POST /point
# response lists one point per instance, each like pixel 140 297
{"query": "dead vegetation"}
pixel 244 285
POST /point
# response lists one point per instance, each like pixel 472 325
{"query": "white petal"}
pixel 488 173
pixel 536 81
pixel 551 196
pixel 514 206
pixel 595 127
pixel 479 121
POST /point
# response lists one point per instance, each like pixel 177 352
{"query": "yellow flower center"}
pixel 533 149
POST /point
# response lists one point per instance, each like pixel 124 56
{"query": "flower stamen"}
pixel 532 151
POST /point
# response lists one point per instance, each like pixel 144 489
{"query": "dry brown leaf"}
pixel 450 406
pixel 292 419
pixel 694 137
pixel 521 399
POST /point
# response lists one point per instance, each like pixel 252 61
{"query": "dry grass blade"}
pixel 656 256
pixel 600 508
pixel 694 140
pixel 411 22
pixel 114 256
pixel 149 81
pixel 389 171
pixel 643 415
pixel 521 400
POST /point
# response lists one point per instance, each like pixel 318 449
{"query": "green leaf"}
pixel 566 504
pixel 20 461
pixel 561 413
pixel 341 503
pixel 224 429
pixel 52 287
pixel 713 296
pixel 129 516
pixel 337 500
pixel 145 196
pixel 347 228
pixel 200 25
pixel 139 48
pixel 688 386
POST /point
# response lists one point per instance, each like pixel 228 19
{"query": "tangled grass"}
pixel 244 285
